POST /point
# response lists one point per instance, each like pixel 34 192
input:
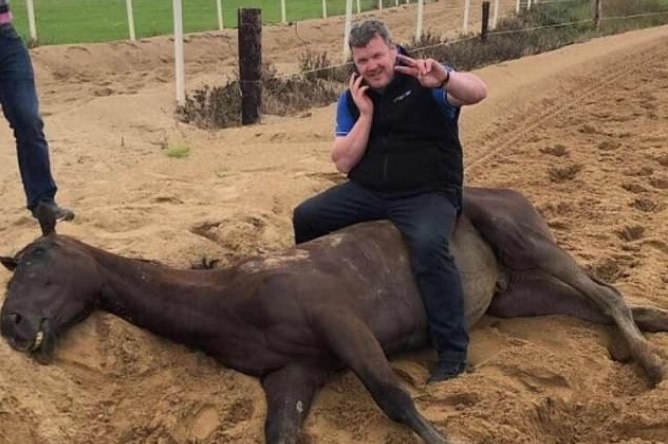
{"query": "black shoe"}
pixel 446 370
pixel 61 213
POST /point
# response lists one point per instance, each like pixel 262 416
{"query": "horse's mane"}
pixel 204 263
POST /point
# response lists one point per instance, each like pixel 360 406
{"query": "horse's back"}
pixel 375 280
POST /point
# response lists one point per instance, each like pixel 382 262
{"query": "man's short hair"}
pixel 363 32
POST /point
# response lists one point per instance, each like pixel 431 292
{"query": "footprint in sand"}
pixel 102 91
pixel 631 233
pixel 588 129
pixel 633 188
pixel 645 204
pixel 642 171
pixel 609 270
pixel 538 382
pixel 609 145
pixel 563 174
pixel 557 150
pixel 657 244
pixel 660 183
pixel 203 423
pixel 663 160
pixel 460 400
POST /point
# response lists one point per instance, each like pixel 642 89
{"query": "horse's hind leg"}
pixel 352 342
pixel 650 319
pixel 556 263
pixel 611 302
pixel 289 391
pixel 522 241
pixel 533 293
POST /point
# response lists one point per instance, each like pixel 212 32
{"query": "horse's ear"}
pixel 46 216
pixel 9 262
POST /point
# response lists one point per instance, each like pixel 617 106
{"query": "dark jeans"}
pixel 18 98
pixel 426 221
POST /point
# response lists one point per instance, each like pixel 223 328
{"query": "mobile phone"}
pixel 357 73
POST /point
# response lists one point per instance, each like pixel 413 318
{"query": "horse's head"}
pixel 55 283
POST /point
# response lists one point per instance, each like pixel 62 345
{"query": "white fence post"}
pixel 420 19
pixel 517 7
pixel 467 9
pixel 359 7
pixel 495 17
pixel 528 4
pixel 284 18
pixel 347 27
pixel 324 9
pixel 131 19
pixel 31 20
pixel 219 9
pixel 178 53
pixel 380 5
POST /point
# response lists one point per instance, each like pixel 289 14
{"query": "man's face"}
pixel 375 62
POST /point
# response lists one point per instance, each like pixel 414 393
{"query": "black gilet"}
pixel 413 147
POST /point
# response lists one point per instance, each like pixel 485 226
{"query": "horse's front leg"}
pixel 354 344
pixel 289 391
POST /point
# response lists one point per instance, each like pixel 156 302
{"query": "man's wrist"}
pixel 445 81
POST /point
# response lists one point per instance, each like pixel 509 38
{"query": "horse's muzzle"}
pixel 28 335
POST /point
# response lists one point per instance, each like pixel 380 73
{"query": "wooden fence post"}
pixel 250 64
pixel 485 21
pixel 597 14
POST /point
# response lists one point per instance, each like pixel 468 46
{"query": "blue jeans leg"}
pixel 336 208
pixel 18 98
pixel 427 221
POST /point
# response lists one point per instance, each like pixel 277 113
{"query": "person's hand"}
pixel 429 72
pixel 358 92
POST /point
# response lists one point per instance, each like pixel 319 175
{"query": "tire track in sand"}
pixel 624 65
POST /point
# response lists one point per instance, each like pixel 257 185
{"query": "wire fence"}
pixel 531 32
pixel 91 21
pixel 460 40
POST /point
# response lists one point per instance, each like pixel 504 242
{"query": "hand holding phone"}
pixel 358 89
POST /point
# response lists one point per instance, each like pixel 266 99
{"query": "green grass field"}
pixel 87 21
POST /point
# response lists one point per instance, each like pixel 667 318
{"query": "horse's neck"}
pixel 171 302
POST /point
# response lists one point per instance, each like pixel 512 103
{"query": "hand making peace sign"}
pixel 429 72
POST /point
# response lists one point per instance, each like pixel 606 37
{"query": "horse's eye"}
pixel 38 252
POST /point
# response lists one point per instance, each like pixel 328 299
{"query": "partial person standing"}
pixel 20 106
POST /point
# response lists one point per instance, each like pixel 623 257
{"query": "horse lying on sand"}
pixel 345 300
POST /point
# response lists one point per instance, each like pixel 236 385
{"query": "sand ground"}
pixel 599 108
